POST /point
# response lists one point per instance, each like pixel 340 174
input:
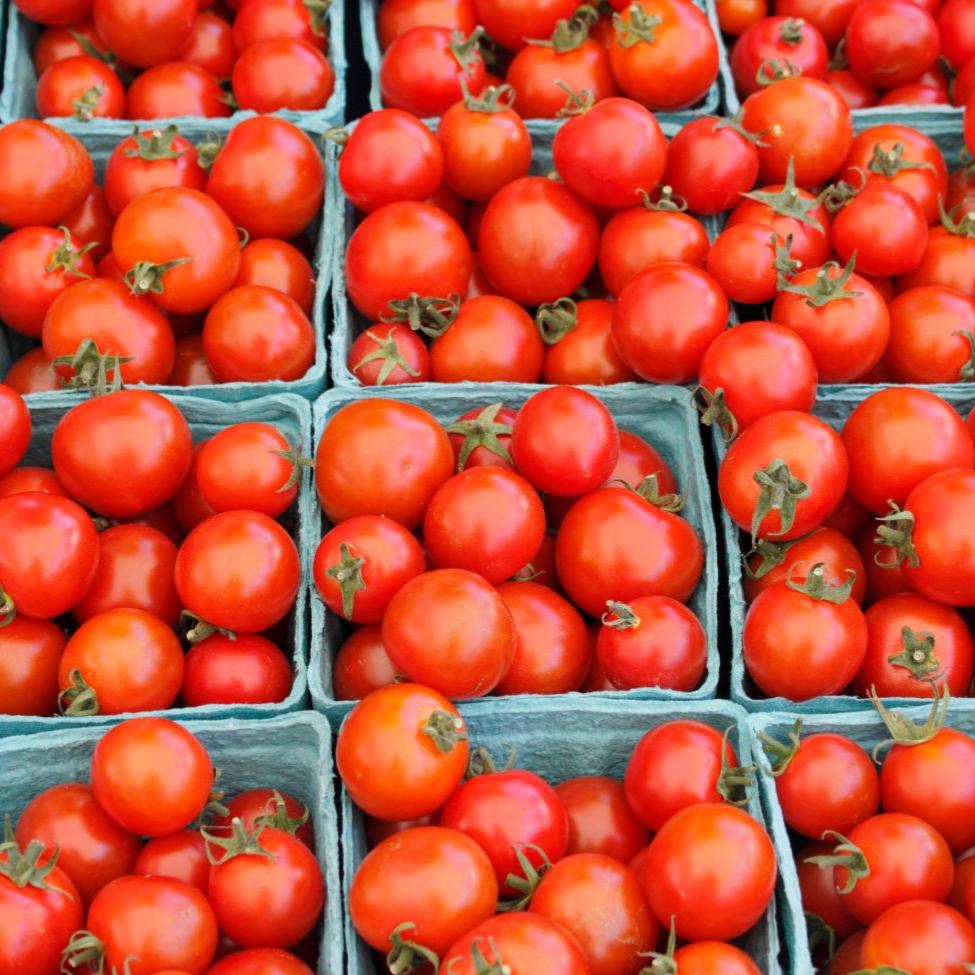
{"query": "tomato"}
pixel 31 373
pixel 436 883
pixel 143 33
pixel 402 249
pixel 492 339
pixel 91 222
pixel 481 437
pixel 361 665
pixel 175 88
pixel 39 911
pixel 423 69
pixel 93 848
pixel 710 163
pixel 380 456
pixel 279 265
pixel 450 630
pixel 49 556
pixel 653 641
pixel 714 958
pixel 933 781
pixel 362 563
pixel 788 469
pixel 191 367
pixel 181 856
pixel 957 36
pixel 783 39
pixel 600 818
pixel 891 42
pixel 885 572
pixel 948 261
pixel 748 263
pixel 15 426
pixel 58 43
pixel 401 752
pixel 247 670
pixel 210 45
pixel 30 651
pixel 56 12
pixel 151 776
pixel 664 54
pixel 585 354
pixel 819 896
pixel 511 22
pixel 665 319
pixel 278 18
pixel 260 961
pixel 802 119
pixel 81 87
pixel 396 17
pixel 613 544
pixel 238 571
pixel 616 937
pixel 153 923
pixel 851 88
pixel 268 177
pixel 388 355
pixel 914 95
pixel 735 15
pixel 552 232
pixel 282 73
pixel 829 18
pixel 188 504
pixel 22 480
pixel 712 869
pixel 928 342
pixel 928 938
pixel 637 461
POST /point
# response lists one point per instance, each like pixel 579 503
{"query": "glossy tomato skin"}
pixel 279 265
pixel 714 958
pixel 615 545
pixel 248 670
pixel 363 454
pixel 94 850
pixel 601 819
pixel 391 768
pixel 742 260
pixel 24 479
pixel 534 70
pixel 851 88
pixel 586 355
pixel 142 33
pixel 30 651
pixel 891 42
pixel 15 425
pixel 885 574
pixel 49 556
pixel 438 879
pixel 810 237
pixel 819 895
pixel 260 961
pixel 180 855
pixel 238 571
pixel 780 38
pixel 210 45
pixel 361 664
pixel 279 18
pixel 395 340
pixel 62 90
pixel 928 937
pixel 948 261
pixel 927 344
pixel 510 22
pixel 398 16
pixel 664 320
pixel 689 874
pixel 282 73
pixel 31 373
pixel 175 88
pixel 55 12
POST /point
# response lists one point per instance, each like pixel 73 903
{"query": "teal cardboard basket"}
pixel 290 752
pixel 100 141
pixel 833 404
pixel 292 416
pixel 594 737
pixel 867 730
pixel 18 97
pixel 710 104
pixel 661 414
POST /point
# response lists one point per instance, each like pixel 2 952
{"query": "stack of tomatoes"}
pixel 883 860
pixel 877 515
pixel 197 280
pixel 125 462
pixel 580 877
pixel 125 59
pixel 881 52
pixel 477 606
pixel 147 871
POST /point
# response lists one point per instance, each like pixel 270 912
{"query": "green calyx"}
pixel 772 70
pixel 431 316
pixel 789 201
pixel 966 373
pixel 91 369
pixel 497 98
pixel 83 952
pixel 86 103
pixel 79 699
pixel 445 730
pixel 649 490
pixel 770 555
pixel 91 50
pixel 317 14
pixel 917 654
pixel 347 575
pixel 891 970
pixel 828 285
pixel 207 152
pixel 65 257
pixel 737 123
pixel 779 491
pixel 791 30
pixel 890 162
pixel 663 963
pixel 198 629
pixel 298 462
pixel 8 611
pixel 155 144
pixel 147 278
pixel 963 227
pixel 576 103
pixel 815 585
pixel 640 27
pixel 781 754
pixel 481 762
pixel 407 956
pixel 715 412
pixel 239 843
pixel 847 855
pixel 619 616
pixel 572 32
pixel 277 817
pixel 905 731
pixel 663 200
pixel 896 531
pixel 387 352
pixel 482 966
pixel 837 195
pixel 821 935
pixel 733 780
pixel 22 867
pixel 556 319
pixel 526 883
pixel 465 49
pixel 483 430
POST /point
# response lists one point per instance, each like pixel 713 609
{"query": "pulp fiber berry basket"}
pixel 292 416
pixel 833 404
pixel 291 752
pixel 18 97
pixel 661 414
pixel 867 729
pixel 100 143
pixel 594 737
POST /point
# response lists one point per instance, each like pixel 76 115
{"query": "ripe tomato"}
pixel 175 89
pixel 282 72
pixel 781 38
pixel 948 261
pixel 481 437
pixel 22 479
pixel 15 426
pixel 210 45
pixel 238 571
pixel 380 456
pixel 58 43
pixel 91 222
pixel 819 896
pixel 851 88
pixel 398 16
pixel 388 355
pixel 664 54
pixel 56 12
pixel 238 181
pixel 585 355
pixel 144 34
pixel 247 670
pixel 436 883
pixel 151 776
pixel 510 22
pixel 47 173
pixel 30 651
pixel 824 782
pixel 928 328
pixel 565 442
pixel 891 42
pixel 613 544
pixel 829 18
pixel 601 819
pixel 747 262
pixel 269 807
pixel 279 265
pixel 712 957
pixel 278 18
pixel 188 504
pixel 735 15
pixel 674 766
pixel 615 938
pixel 181 856
pixel 361 665
pixel 362 563
pixel 885 572
pixel 552 232
pixel 925 937
pixel 653 641
pixel 260 961
pixel 957 36
pixel 712 869
pixel 31 373
pixel 401 752
pixel 49 555
pixel 665 319
pixel 82 88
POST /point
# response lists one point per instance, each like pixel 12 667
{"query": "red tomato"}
pixel 91 223
pixel 279 265
pixel 361 665
pixel 401 752
pixel 388 355
pixel 181 856
pixel 747 262
pixel 665 319
pixel 269 807
pixel 57 43
pixel 891 42
pixel 914 95
pixel 142 33
pixel 247 670
pixel 278 18
pixel 396 17
pixel 175 88
pixel 585 354
pixel 510 22
pixel 31 373
pixel 188 504
pixel 714 958
pixel 928 329
pixel 957 35
pixel 851 88
pixel 57 12
pixel 735 15
pixel 829 18
pixel 282 73
pixel 885 573
pixel 22 480
pixel 15 427
pixel 601 819
pixel 948 261
pixel 637 461
pixel 819 896
pixel 260 961
pixel 481 437
pixel 783 39
pixel 210 46
pixel 82 88
pixel 30 651
pixel 929 938
pixel 151 776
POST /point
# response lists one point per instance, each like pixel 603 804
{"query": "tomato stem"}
pixel 445 730
pixel 965 227
pixel 465 49
pixel 903 730
pixel 847 855
pixel 967 372
pixel 85 104
pixel 788 201
pixel 649 490
pixel 347 573
pixel 155 144
pixel 896 531
pixel 714 411
pixel 145 277
pixel 201 629
pixel 663 200
pixel 407 956
pixel 481 762
pixel 625 618
pixel 778 491
pixel 8 611
pixel 79 699
pixel 239 843
pixel 779 754
pixel 791 30
pixel 84 949
pixel 65 257
pixel 890 162
pixel 576 103
pixel 816 587
pixel 299 462
pixel 278 818
pixel 527 882
pixel 917 655
pixel 496 98
pixel 641 27
pixel 733 780
pixel 318 14
pixel 431 316
pixel 663 964
pixel 556 319
pixel 91 369
pixel 21 867
pixel 772 70
pixel 826 288
pixel 772 554
pixel 570 33
pixel 820 934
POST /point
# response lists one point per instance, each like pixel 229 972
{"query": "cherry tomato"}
pixel 928 327
pixel 637 461
pixel 891 42
pixel 601 819
pixel 82 88
pixel 388 355
pixel 22 480
pixel 396 17
pixel 745 260
pixel 144 34
pixel 885 573
pixel 585 354
pixel 270 807
pixel 56 12
pixel 282 73
pixel 30 651
pixel 781 38
pixel 829 18
pixel 247 670
pixel 278 18
pixel 15 426
pixel 925 936
pixel 210 45
pixel 181 856
pixel 361 665
pixel 260 961
pixel 31 373
pixel 175 89
pixel 713 957
pixel 57 43
pixel 851 88
pixel 279 265
pixel 481 437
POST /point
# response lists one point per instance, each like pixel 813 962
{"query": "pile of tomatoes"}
pixel 477 606
pixel 125 59
pixel 878 514
pixel 883 859
pixel 187 536
pixel 147 870
pixel 174 270
pixel 583 876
